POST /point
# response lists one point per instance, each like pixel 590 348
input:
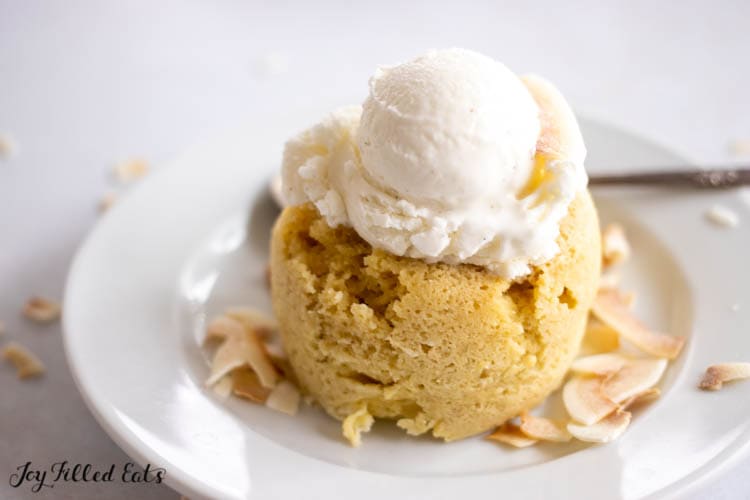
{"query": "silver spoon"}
pixel 701 179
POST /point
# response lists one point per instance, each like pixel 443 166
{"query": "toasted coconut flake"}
pixel 241 346
pixel 605 431
pixel 511 435
pixel 107 201
pixel 599 338
pixel 716 375
pixel 615 246
pixel 611 308
pixel 253 319
pixel 130 170
pixel 284 398
pixel 26 363
pixel 246 384
pixel 259 360
pixel 635 377
pixel 585 401
pixel 283 366
pixel 231 354
pixel 8 147
pixel 224 327
pixel 544 429
pixel 642 397
pixel 355 424
pixel 599 364
pixel 41 310
pixel 223 388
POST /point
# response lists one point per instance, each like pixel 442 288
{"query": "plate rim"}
pixel 189 485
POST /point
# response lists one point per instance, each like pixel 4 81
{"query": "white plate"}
pixel 193 238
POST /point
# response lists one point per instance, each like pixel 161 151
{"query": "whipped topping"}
pixel 450 159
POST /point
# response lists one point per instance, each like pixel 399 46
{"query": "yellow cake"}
pixel 452 349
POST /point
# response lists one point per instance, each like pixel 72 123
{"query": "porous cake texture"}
pixel 451 349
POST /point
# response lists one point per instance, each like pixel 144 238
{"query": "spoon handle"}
pixel 703 179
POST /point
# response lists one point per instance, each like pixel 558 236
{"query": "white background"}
pixel 86 84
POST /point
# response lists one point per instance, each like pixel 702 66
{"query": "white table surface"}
pixel 86 84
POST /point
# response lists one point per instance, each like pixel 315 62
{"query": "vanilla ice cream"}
pixel 452 158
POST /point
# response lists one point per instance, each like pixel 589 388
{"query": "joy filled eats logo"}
pixel 64 472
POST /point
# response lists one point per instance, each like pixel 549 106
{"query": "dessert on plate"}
pixel 440 252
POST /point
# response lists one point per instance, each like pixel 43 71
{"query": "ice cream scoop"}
pixel 452 158
pixel 451 129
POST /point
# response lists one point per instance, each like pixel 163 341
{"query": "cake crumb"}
pixel 26 363
pixel 722 216
pixel 8 147
pixel 42 310
pixel 418 425
pixel 355 424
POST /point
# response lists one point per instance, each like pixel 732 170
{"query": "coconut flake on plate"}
pixel 722 216
pixel 253 319
pixel 284 397
pixel 511 435
pixel 635 377
pixel 544 429
pixel 599 364
pixel 246 384
pixel 716 375
pixel 223 388
pixel 611 307
pixel 585 400
pixel 641 398
pixel 603 431
pixel 599 338
pixel 240 347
